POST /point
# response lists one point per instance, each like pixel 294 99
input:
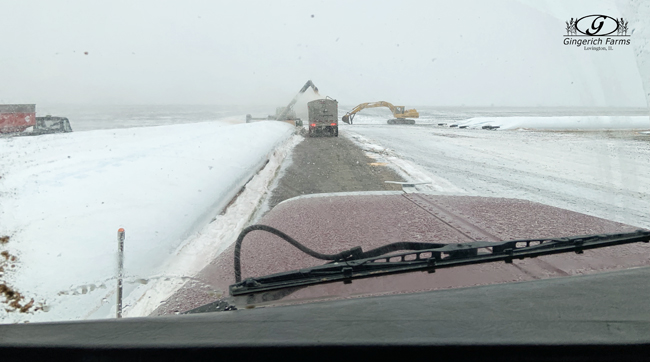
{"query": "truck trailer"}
pixel 323 117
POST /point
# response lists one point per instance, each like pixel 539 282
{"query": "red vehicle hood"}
pixel 331 223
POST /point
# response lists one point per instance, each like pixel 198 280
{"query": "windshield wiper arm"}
pixel 443 256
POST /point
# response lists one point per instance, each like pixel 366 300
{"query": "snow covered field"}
pixel 518 117
pixel 600 173
pixel 96 117
pixel 561 123
pixel 64 196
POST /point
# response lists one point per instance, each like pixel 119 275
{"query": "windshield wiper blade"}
pixel 444 256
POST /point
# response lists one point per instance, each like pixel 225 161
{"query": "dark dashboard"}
pixel 604 316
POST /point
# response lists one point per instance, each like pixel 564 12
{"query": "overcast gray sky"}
pixel 474 53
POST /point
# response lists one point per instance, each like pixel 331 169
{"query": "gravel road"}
pixel 330 164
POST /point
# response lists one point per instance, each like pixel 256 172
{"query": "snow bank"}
pixel 561 123
pixel 201 249
pixel 63 197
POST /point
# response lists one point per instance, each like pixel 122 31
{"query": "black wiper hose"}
pixel 340 256
pixel 352 254
pixel 355 264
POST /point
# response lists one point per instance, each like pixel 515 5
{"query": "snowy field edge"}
pixel 581 123
pixel 63 197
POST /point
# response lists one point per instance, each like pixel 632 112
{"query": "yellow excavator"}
pixel 399 112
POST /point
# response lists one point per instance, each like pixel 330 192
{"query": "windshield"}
pixel 137 140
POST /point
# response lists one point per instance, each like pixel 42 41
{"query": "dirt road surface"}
pixel 330 164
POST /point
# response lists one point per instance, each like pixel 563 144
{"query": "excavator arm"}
pixel 398 111
pixel 282 116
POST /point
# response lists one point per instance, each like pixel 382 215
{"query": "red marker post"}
pixel 120 269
